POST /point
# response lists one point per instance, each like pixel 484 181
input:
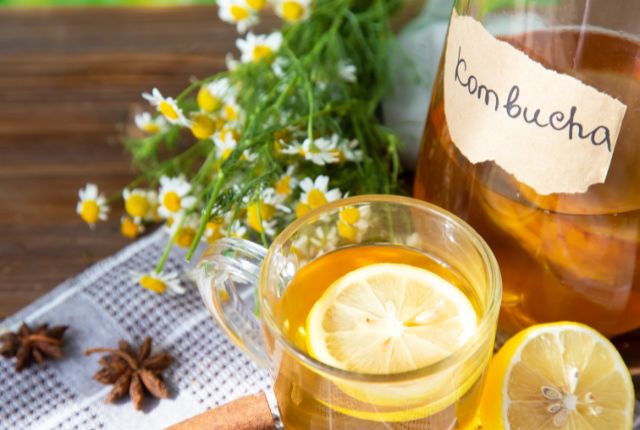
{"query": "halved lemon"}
pixel 558 376
pixel 389 318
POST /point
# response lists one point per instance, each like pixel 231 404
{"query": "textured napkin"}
pixel 101 306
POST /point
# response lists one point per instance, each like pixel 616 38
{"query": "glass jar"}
pixel 567 251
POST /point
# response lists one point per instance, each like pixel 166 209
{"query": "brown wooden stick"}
pixel 247 413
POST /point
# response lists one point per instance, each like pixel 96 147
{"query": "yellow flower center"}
pixel 347 230
pixel 185 236
pixel 230 112
pixel 213 231
pixel 260 52
pixel 202 126
pixel 256 4
pixel 283 186
pixel 154 284
pixel 151 128
pixel 90 211
pixel 316 198
pixel 128 228
pixel 302 209
pixel 172 201
pixel 136 205
pixel 257 210
pixel 207 101
pixel 292 11
pixel 350 215
pixel 239 13
pixel 237 234
pixel 168 110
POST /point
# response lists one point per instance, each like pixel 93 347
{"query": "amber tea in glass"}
pixel 303 262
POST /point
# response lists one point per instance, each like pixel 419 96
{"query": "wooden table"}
pixel 68 81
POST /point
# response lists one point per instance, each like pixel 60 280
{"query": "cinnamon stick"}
pixel 247 413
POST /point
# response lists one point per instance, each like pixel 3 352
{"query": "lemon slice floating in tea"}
pixel 558 376
pixel 389 318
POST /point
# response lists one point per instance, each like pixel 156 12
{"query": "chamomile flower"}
pixel 293 10
pixel 285 185
pixel 248 156
pixel 225 142
pixel 348 150
pixel 256 5
pixel 211 96
pixel 92 205
pixel 138 203
pixel 292 148
pixel 236 230
pixel 167 106
pixel 260 213
pixel 203 126
pixel 231 111
pixel 315 194
pixel 322 151
pixel 347 71
pixel 186 230
pixel 325 239
pixel 256 48
pixel 353 221
pixel 159 282
pixel 130 228
pixel 174 196
pixel 150 125
pixel 214 230
pixel 238 12
pixel 259 218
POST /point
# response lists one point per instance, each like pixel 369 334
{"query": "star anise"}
pixel 131 372
pixel 39 343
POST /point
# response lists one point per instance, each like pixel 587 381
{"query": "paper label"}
pixel 548 129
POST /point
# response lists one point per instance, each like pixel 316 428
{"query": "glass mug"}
pixel 563 255
pixel 238 280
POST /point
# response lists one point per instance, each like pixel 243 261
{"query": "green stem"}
pixel 308 89
pixel 206 215
pixel 169 245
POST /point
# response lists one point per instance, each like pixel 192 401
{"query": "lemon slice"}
pixel 558 376
pixel 389 318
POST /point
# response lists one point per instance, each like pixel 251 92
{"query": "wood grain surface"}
pixel 68 81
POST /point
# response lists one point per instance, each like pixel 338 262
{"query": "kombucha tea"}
pixel 562 256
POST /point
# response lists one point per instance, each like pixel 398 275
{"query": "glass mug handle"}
pixel 227 278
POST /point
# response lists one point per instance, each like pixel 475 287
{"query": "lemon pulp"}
pixel 558 376
pixel 389 318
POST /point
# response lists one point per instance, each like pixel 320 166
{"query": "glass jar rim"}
pixel 486 323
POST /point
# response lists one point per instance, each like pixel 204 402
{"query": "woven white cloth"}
pixel 101 306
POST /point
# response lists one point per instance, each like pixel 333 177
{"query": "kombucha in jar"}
pixel 563 255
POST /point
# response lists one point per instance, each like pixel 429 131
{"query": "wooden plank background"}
pixel 68 81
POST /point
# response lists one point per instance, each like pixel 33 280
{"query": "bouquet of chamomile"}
pixel 293 123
